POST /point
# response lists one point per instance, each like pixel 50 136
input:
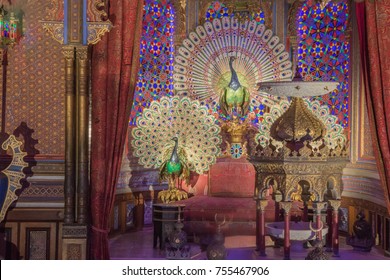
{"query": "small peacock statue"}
pixel 235 96
pixel 204 64
pixel 172 170
pixel 176 135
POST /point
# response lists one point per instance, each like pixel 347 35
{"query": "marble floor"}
pixel 139 245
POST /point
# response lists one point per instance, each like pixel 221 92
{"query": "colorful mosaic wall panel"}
pixel 324 50
pixel 157 55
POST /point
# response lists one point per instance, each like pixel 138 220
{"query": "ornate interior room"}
pixel 195 129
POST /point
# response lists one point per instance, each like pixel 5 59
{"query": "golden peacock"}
pixel 176 135
pixel 222 62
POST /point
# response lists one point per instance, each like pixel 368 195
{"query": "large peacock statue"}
pixel 204 65
pixel 234 96
pixel 176 135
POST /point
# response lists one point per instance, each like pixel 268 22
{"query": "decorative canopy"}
pixel 298 124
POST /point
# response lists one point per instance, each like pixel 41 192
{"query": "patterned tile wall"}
pixel 35 82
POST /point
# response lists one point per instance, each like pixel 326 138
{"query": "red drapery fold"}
pixel 115 64
pixel 374 33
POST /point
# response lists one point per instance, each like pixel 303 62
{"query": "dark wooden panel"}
pixel 33 214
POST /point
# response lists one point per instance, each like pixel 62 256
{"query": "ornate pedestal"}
pixel 164 218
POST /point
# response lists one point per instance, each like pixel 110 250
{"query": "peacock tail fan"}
pixel 197 132
pixel 201 69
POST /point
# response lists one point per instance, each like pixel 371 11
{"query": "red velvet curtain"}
pixel 374 33
pixel 115 64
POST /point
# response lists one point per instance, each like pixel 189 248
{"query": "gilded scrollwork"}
pixel 96 30
pixel 96 10
pixel 55 29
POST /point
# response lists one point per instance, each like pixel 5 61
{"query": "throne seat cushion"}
pixel 232 178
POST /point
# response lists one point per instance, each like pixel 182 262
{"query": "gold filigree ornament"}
pixel 177 128
pixel 10 177
pixel 298 123
pixel 55 30
pixel 236 131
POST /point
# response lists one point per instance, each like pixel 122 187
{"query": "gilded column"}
pixel 260 226
pixel 318 206
pixel 70 124
pixel 286 206
pixel 82 134
pixel 335 204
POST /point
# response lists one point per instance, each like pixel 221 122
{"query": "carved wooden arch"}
pixel 265 185
pixel 266 7
pixel 97 10
pixel 295 181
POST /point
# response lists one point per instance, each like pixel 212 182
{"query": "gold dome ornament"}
pixel 298 124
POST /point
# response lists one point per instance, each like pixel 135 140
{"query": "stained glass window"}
pixel 155 78
pixel 323 52
pixel 219 10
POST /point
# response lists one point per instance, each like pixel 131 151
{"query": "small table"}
pixel 164 218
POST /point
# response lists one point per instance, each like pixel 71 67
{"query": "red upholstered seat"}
pixel 230 195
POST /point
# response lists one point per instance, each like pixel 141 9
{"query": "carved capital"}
pixel 261 204
pixel 82 52
pixel 318 206
pixel 68 52
pixel 286 206
pixel 335 204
